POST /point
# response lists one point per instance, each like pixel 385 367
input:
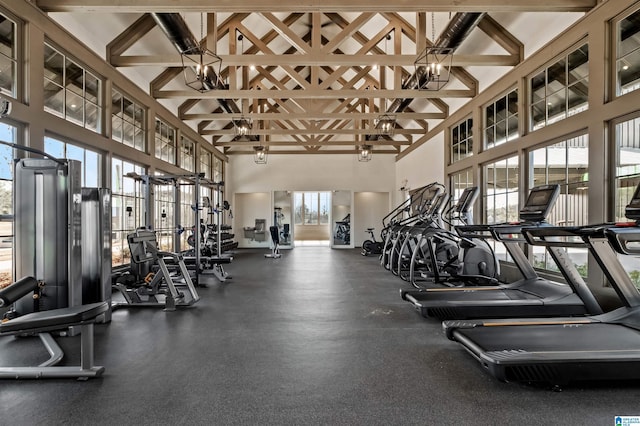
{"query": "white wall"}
pixel 369 209
pixel 246 209
pixel 302 173
pixel 422 167
pixel 311 173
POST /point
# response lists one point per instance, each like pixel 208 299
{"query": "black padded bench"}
pixel 41 323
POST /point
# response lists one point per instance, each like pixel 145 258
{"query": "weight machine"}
pixel 206 256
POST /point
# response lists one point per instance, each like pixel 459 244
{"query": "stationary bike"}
pixel 371 246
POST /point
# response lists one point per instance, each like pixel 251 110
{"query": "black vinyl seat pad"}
pixel 54 319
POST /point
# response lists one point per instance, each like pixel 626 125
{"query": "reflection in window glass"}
pixel 127 208
pixel 91 169
pixel 459 182
pixel 164 210
pixel 165 142
pixel 8 57
pixel 561 90
pixel 627 179
pixel 628 53
pixel 128 124
pixel 7 134
pixel 564 163
pixel 501 120
pixel 500 195
pixel 187 154
pixel 627 174
pixel 461 140
pixel 70 91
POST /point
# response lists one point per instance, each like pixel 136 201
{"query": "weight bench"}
pixel 43 322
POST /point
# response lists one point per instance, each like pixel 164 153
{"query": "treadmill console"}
pixel 540 201
pixel 632 211
pixel 466 200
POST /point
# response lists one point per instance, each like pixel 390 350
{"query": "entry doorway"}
pixel 311 218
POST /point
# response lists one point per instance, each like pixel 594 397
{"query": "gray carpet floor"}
pixel 318 337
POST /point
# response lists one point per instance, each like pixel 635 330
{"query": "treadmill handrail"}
pixel 620 237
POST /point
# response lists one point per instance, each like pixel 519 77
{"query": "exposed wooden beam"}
pixel 314 94
pixel 313 60
pixel 230 151
pixel 309 131
pixel 140 6
pixel 310 115
pixel 311 142
pixel 285 32
pixel 130 36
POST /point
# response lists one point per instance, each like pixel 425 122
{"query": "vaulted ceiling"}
pixel 314 76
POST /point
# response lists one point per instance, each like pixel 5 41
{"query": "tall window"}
pixel 561 89
pixel 500 195
pixel 70 91
pixel 459 182
pixel 462 140
pixel 128 124
pixel 627 171
pixel 127 207
pixel 218 170
pixel 91 161
pixel 628 54
pixel 7 134
pixel 501 120
pixel 8 56
pixel 565 163
pixel 205 167
pixel 187 154
pixel 312 208
pixel 164 209
pixel 165 142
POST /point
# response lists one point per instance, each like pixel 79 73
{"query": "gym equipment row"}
pixel 62 257
pixel 534 329
pixel 419 248
pixel 210 242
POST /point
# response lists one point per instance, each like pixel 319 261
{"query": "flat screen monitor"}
pixel 539 202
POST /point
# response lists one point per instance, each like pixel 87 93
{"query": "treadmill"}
pixel 531 296
pixel 562 350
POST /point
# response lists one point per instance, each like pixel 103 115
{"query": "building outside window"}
pixel 561 89
pixel 461 140
pixel 187 215
pixel 165 142
pixel 501 120
pixel 91 161
pixel 164 211
pixel 128 123
pixel 500 195
pixel 565 163
pixel 8 133
pixel 628 54
pixel 70 91
pixel 627 169
pixel 127 207
pixel 459 182
pixel 627 178
pixel 312 208
pixel 8 56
